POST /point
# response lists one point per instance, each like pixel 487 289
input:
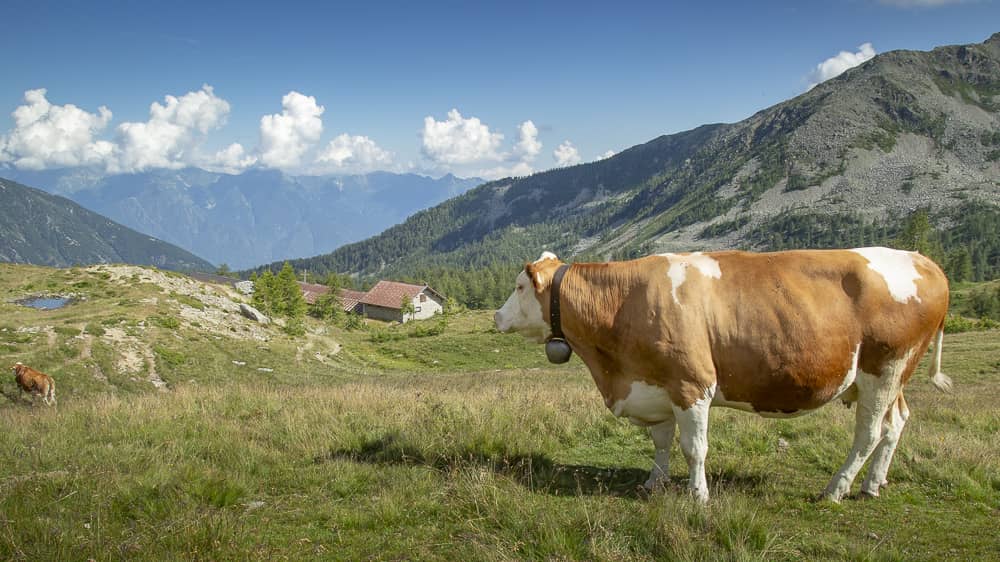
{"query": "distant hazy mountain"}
pixel 44 229
pixel 255 217
pixel 841 165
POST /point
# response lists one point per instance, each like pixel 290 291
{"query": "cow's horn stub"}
pixel 557 351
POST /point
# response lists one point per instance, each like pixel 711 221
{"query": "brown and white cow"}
pixel 35 382
pixel 778 334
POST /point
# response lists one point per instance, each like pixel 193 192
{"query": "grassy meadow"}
pixel 461 446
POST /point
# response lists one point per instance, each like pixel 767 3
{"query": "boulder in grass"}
pixel 253 314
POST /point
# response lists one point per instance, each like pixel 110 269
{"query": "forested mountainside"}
pixel 847 163
pixel 43 229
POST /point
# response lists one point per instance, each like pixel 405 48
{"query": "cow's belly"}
pixel 645 404
pixel 784 396
pixel 790 411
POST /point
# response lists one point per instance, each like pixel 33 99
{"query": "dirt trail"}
pixel 326 345
pixel 135 357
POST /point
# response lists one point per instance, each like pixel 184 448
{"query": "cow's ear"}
pixel 533 272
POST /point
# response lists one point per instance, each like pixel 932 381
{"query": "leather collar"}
pixel 555 316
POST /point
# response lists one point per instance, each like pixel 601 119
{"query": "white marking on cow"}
pixel 645 404
pixel 896 267
pixel 706 265
pixel 522 312
pixel 852 373
pixel 892 428
pixel 876 394
pixel 663 439
pixel 546 255
pixel 693 425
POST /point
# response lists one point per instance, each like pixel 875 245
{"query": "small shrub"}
pixel 112 321
pixel 66 330
pixel 188 300
pixel 381 335
pixel 168 322
pixel 295 327
pixel 425 329
pixel 95 329
pixel 218 492
pixel 955 324
pixel 354 322
pixel 169 357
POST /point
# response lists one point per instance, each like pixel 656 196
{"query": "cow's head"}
pixel 526 309
pixel 16 367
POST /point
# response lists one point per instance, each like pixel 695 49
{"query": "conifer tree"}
pixel 289 299
pixel 263 293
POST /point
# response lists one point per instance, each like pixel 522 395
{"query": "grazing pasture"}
pixel 460 446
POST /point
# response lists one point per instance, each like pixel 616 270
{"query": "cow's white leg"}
pixel 663 438
pixel 693 425
pixel 892 428
pixel 875 395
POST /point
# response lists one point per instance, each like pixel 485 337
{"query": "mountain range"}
pixel 844 164
pixel 252 218
pixel 44 229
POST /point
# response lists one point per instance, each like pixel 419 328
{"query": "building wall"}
pixel 429 307
pixel 381 313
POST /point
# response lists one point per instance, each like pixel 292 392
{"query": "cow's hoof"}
pixel 826 497
pixel 700 496
pixel 656 483
pixel 866 495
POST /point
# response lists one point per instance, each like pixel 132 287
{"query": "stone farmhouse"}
pixel 384 301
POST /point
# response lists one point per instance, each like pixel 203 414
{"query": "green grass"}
pixel 460 446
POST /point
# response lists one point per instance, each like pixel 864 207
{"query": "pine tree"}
pixel 263 293
pixel 289 300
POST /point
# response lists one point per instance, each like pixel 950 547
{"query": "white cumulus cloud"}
pixel 170 137
pixel 355 154
pixel 285 137
pixel 468 147
pixel 51 136
pixel 458 140
pixel 836 65
pixel 566 154
pixel 606 155
pixel 528 145
pixel 233 159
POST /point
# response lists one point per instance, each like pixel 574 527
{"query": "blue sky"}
pixel 534 84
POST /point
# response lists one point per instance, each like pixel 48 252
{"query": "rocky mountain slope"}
pixel 251 218
pixel 44 229
pixel 842 164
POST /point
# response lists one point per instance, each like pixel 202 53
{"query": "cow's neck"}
pixel 590 298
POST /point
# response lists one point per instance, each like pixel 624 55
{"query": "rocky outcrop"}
pixel 254 314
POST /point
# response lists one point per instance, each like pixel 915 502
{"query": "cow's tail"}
pixel 940 380
pixel 50 394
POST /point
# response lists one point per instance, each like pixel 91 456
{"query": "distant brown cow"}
pixel 35 382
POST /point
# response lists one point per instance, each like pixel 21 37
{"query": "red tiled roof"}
pixel 349 299
pixel 390 294
pixel 311 291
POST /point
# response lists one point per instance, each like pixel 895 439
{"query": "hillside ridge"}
pixel 905 131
